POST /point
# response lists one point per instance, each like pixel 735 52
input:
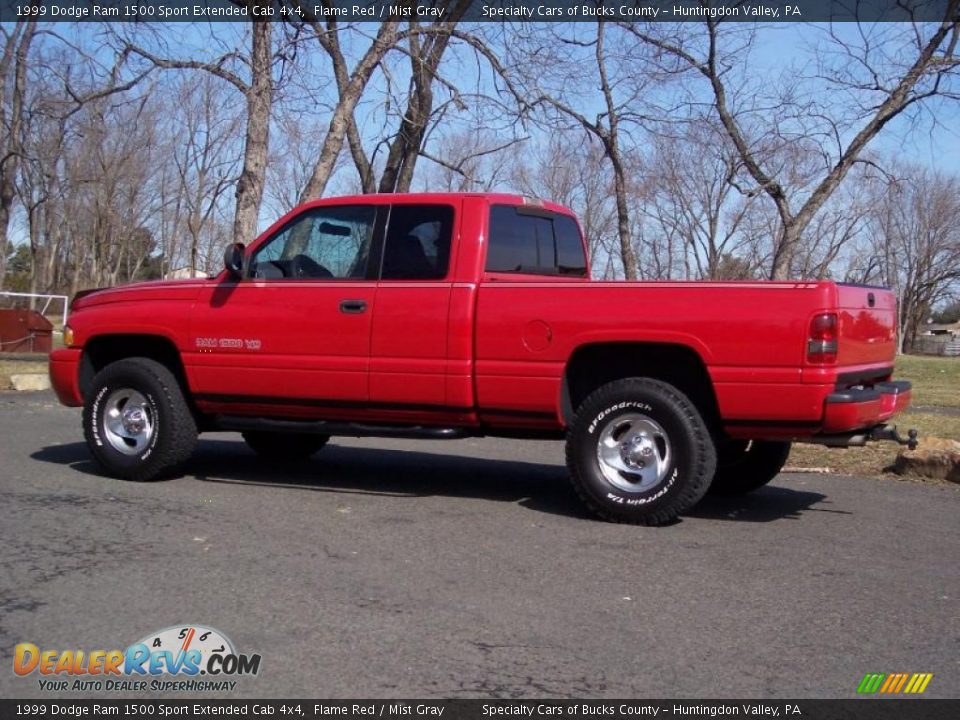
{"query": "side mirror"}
pixel 233 260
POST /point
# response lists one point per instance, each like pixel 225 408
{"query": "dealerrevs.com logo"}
pixel 187 657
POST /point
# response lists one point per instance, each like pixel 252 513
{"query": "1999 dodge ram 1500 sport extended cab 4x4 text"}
pixel 448 315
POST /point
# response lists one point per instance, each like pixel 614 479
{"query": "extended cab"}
pixel 450 315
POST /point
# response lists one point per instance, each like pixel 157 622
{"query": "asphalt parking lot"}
pixel 468 569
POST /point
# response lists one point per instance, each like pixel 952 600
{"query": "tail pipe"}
pixel 876 434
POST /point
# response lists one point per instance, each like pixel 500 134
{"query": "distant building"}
pixel 939 340
pixel 942 329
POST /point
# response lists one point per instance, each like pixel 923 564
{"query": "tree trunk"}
pixel 405 148
pixel 259 98
pixel 11 151
pixel 33 231
pixel 783 254
pixel 343 113
pixel 4 224
pixel 627 255
pixel 330 150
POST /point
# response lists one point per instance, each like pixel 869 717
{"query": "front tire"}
pixel 639 452
pixel 747 465
pixel 136 421
pixel 284 447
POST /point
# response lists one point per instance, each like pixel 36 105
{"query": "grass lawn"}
pixel 936 380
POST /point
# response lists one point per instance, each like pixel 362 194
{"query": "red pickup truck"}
pixel 452 315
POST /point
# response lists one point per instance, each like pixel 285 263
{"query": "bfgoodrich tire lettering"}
pixel 639 452
pixel 136 421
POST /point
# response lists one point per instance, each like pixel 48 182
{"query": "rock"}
pixel 30 381
pixel 934 458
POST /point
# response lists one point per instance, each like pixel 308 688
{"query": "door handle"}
pixel 353 307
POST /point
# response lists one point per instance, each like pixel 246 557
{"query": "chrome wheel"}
pixel 128 421
pixel 634 453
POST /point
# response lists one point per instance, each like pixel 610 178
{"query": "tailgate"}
pixel 868 325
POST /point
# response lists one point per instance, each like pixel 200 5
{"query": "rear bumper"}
pixel 65 375
pixel 808 413
pixel 856 408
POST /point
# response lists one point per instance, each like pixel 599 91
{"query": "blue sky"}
pixel 777 48
pixel 934 144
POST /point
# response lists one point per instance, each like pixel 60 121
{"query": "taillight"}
pixel 822 340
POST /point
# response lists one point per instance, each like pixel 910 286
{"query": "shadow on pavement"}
pixel 367 471
pixel 74 455
pixel 410 473
pixel 764 505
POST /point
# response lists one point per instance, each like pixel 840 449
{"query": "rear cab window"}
pixel 526 240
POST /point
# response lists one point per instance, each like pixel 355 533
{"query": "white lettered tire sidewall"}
pixel 691 457
pixel 174 429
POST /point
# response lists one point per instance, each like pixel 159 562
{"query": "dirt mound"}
pixel 934 458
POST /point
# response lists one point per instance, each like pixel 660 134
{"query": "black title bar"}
pixel 750 11
pixel 557 709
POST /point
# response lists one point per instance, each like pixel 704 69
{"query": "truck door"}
pixel 409 344
pixel 295 331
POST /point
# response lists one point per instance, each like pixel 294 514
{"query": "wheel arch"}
pixel 593 365
pixel 101 350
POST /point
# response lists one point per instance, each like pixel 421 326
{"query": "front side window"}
pixel 417 245
pixel 534 241
pixel 325 243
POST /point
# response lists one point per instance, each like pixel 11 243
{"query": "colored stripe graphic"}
pixel 871 683
pixel 890 683
pixel 918 683
pixel 894 683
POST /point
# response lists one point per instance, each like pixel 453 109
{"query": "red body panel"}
pixel 868 321
pixel 64 376
pixel 490 351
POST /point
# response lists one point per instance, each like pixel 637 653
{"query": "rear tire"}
pixel 137 422
pixel 284 447
pixel 744 466
pixel 639 452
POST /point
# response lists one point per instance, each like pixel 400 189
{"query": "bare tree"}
pixel 691 197
pixel 291 162
pixel 257 90
pixel 915 246
pixel 424 47
pixel 112 169
pixel 203 158
pixel 468 161
pixel 13 77
pixel 350 87
pixel 39 188
pixel 425 53
pixel 621 97
pixel 915 63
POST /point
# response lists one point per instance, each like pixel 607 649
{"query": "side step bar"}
pixel 321 427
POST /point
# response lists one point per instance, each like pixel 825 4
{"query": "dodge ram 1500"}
pixel 452 315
